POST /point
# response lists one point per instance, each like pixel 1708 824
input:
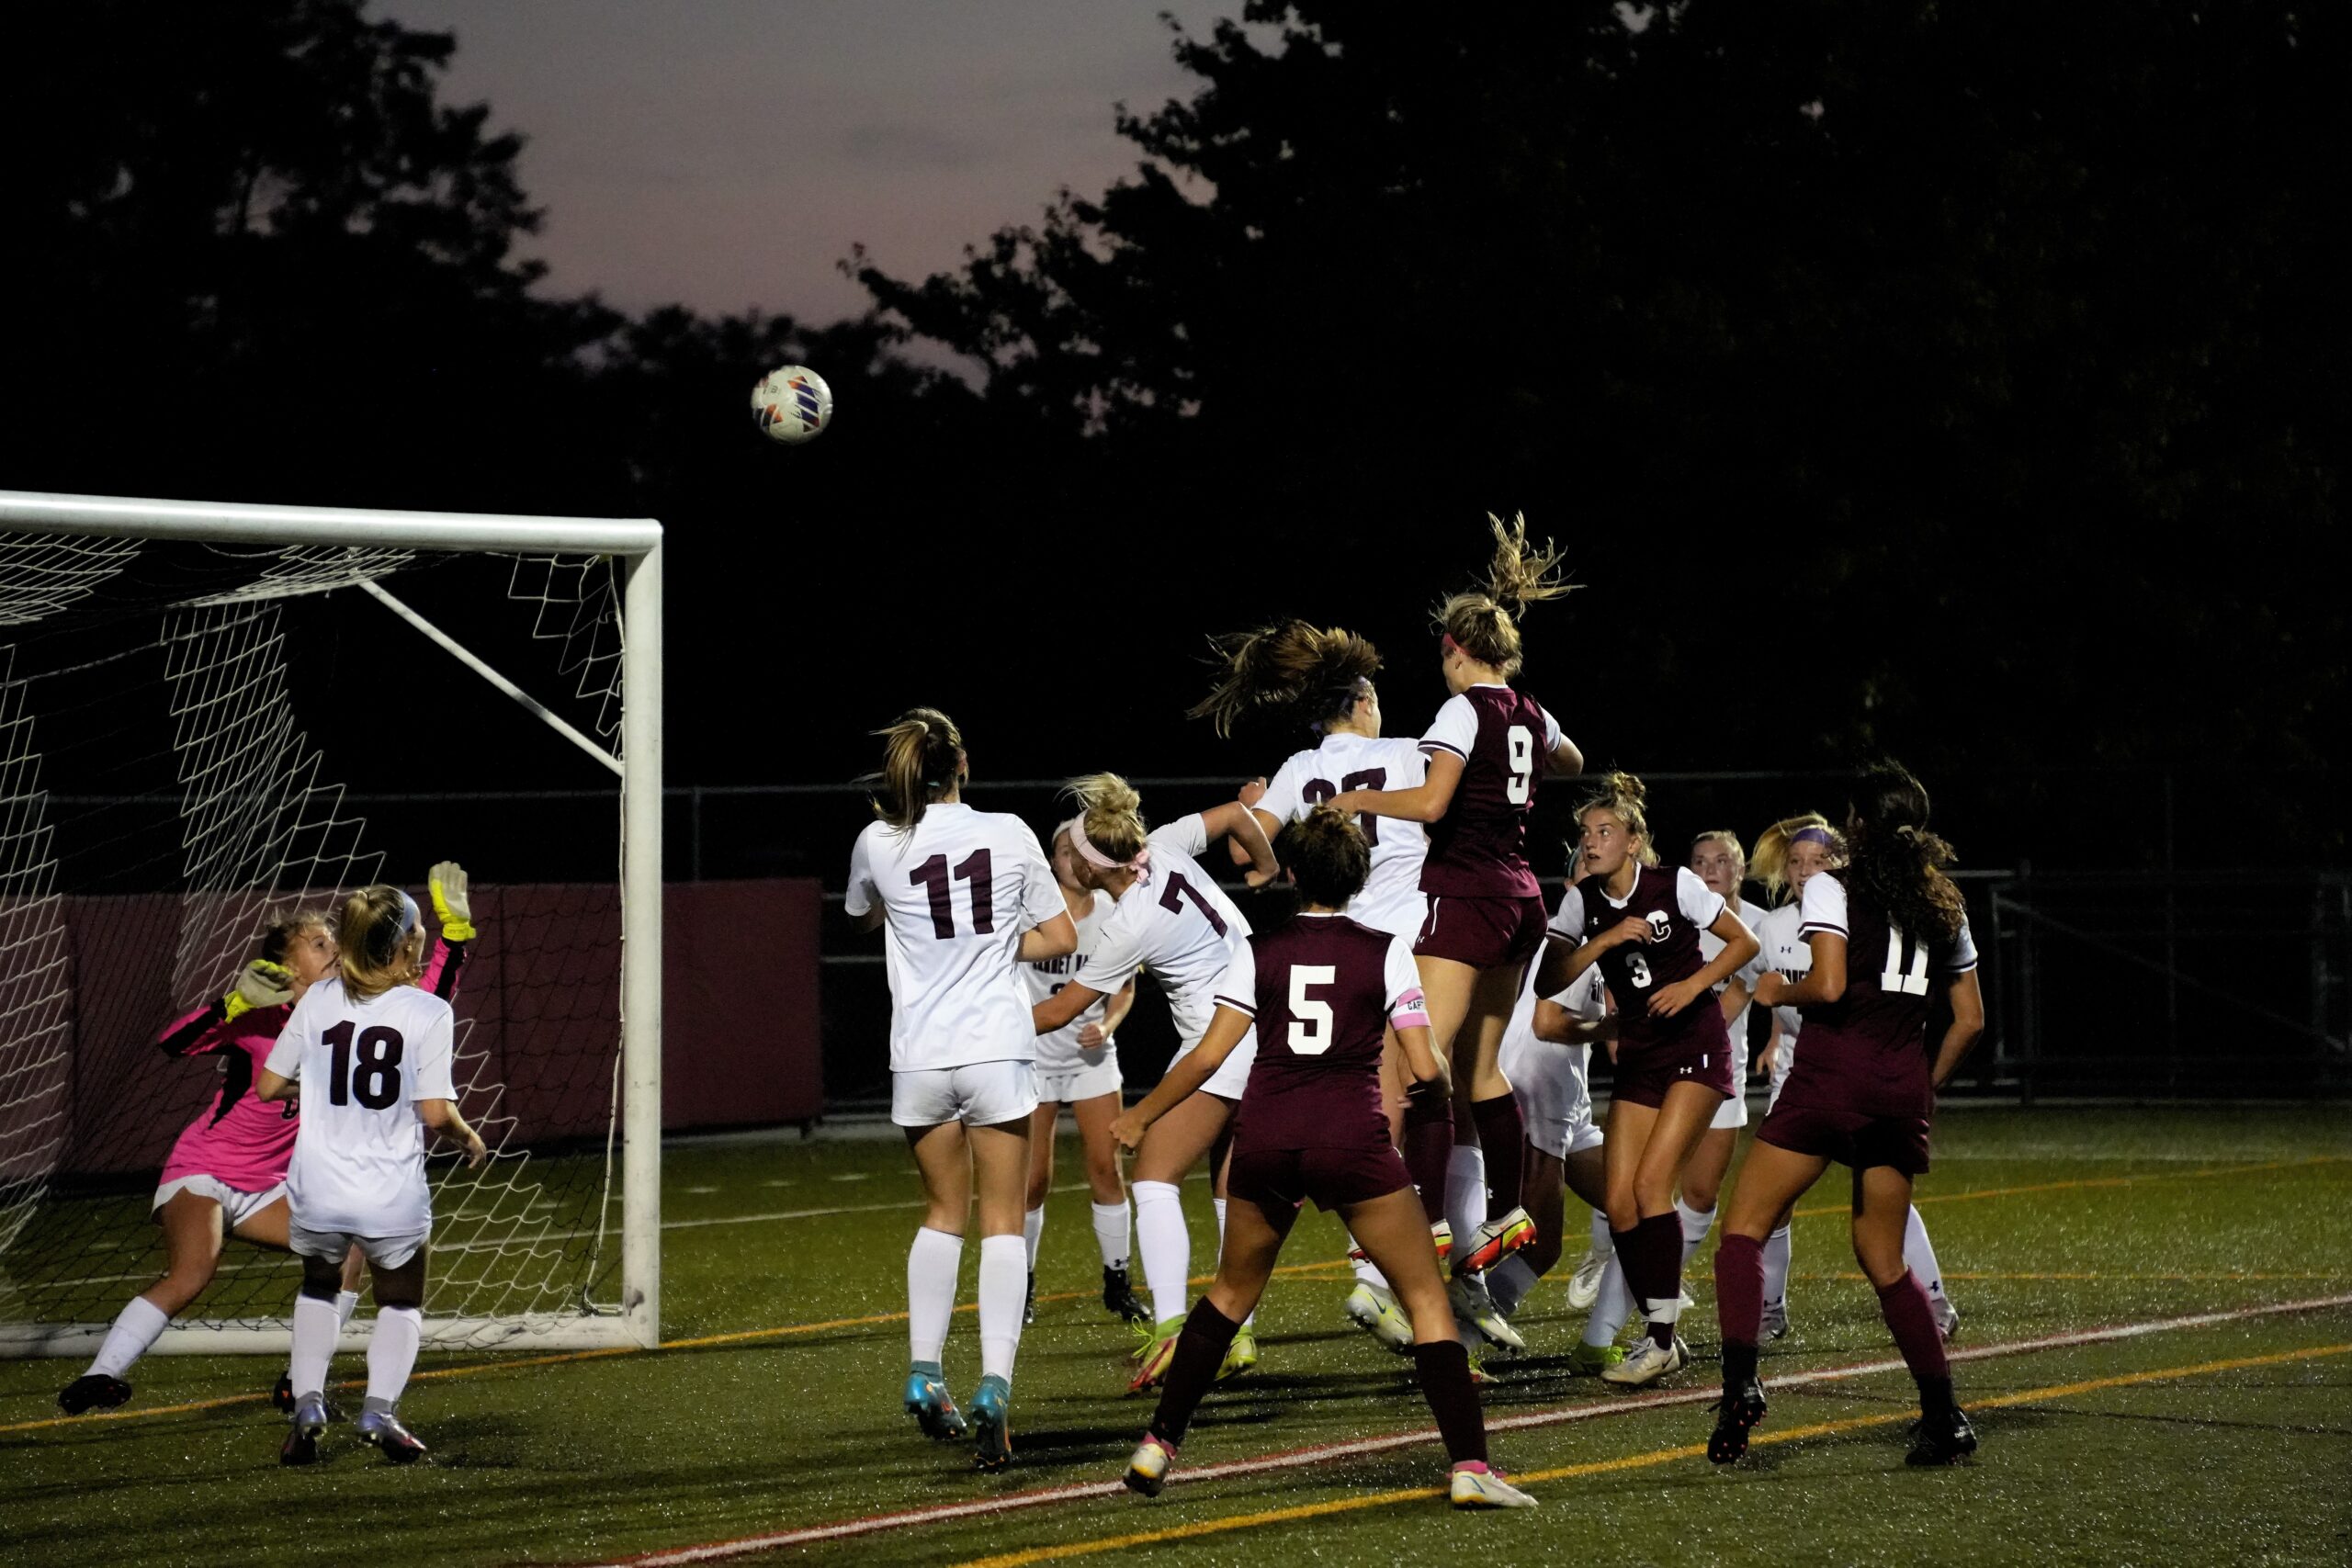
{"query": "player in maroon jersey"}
pixel 1486 750
pixel 1322 992
pixel 1675 1062
pixel 1886 931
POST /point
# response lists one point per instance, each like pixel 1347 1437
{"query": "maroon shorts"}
pixel 1853 1138
pixel 1485 933
pixel 1352 1173
pixel 1699 1054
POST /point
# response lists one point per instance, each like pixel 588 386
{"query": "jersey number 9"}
pixel 1522 765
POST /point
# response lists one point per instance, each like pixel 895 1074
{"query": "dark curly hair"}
pixel 1328 857
pixel 1895 861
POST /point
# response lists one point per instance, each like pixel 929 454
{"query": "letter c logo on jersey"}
pixel 1660 926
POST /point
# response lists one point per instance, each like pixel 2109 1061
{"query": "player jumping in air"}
pixel 371 1052
pixel 1887 931
pixel 963 899
pixel 1318 995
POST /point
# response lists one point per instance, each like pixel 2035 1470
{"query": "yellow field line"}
pixel 1631 1461
pixel 2089 1182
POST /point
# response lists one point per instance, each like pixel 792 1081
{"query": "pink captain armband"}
pixel 1410 1011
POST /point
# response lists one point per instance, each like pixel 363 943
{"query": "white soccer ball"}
pixel 792 403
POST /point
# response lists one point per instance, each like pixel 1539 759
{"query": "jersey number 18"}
pixel 367 1070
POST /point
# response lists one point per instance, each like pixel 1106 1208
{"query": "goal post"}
pixel 60 555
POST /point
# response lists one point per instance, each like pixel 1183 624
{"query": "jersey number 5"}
pixel 1522 765
pixel 1310 1020
pixel 976 869
pixel 373 1078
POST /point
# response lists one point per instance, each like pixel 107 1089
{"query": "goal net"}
pixel 211 715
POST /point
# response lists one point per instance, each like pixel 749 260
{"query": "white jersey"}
pixel 1711 947
pixel 1176 920
pixel 1787 954
pixel 358 1165
pixel 1585 998
pixel 956 895
pixel 1058 1052
pixel 1391 899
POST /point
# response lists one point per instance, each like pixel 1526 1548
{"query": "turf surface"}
pixel 2231 1439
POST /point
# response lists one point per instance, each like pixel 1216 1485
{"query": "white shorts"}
pixel 1094 1074
pixel 236 1207
pixel 1732 1112
pixel 984 1094
pixel 381 1251
pixel 1232 1076
pixel 1554 1100
pixel 1401 914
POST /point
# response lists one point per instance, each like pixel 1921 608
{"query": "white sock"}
pixel 392 1353
pixel 135 1328
pixel 1920 1257
pixel 345 1303
pixel 1367 1271
pixel 1611 1308
pixel 1695 1227
pixel 1004 1281
pixel 1465 1192
pixel 1604 1244
pixel 1111 1233
pixel 1776 1267
pixel 1032 1226
pixel 1508 1282
pixel 314 1332
pixel 1166 1247
pixel 932 1264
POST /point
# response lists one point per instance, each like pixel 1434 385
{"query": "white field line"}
pixel 716 1551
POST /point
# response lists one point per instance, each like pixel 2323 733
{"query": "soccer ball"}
pixel 792 403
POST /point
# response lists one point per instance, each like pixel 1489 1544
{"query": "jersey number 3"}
pixel 369 1073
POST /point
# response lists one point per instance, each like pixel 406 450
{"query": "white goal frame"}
pixel 637 546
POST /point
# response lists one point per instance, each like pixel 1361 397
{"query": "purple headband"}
pixel 1821 836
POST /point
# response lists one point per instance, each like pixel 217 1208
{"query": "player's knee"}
pixel 1698 1194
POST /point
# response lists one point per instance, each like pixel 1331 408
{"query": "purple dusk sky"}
pixel 726 154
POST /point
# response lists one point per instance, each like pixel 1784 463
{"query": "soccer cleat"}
pixel 1941 1440
pixel 281 1397
pixel 991 1425
pixel 1119 1298
pixel 933 1407
pixel 1029 1303
pixel 1587 1360
pixel 91 1390
pixel 1493 1242
pixel 1148 1466
pixel 1159 1349
pixel 1947 1319
pixel 1776 1319
pixel 1645 1363
pixel 1477 1485
pixel 1584 1285
pixel 1241 1355
pixel 302 1445
pixel 1441 1234
pixel 383 1429
pixel 1739 1409
pixel 1376 1312
pixel 1475 1306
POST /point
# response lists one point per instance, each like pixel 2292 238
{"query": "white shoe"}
pixel 1776 1319
pixel 1475 1306
pixel 1584 1285
pixel 1486 1488
pixel 1947 1319
pixel 1645 1363
pixel 1376 1313
pixel 1147 1467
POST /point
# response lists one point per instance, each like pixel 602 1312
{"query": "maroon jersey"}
pixel 1322 990
pixel 1478 849
pixel 1677 907
pixel 1867 1052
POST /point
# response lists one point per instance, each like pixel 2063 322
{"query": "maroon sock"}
pixel 1739 1304
pixel 1428 1145
pixel 1651 1254
pixel 1502 1133
pixel 1904 1305
pixel 1445 1367
pixel 1200 1349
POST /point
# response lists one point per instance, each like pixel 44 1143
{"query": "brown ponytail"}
pixel 1112 813
pixel 1895 859
pixel 1327 856
pixel 1484 623
pixel 380 940
pixel 1317 674
pixel 923 759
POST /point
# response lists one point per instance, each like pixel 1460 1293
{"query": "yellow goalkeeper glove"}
pixel 448 883
pixel 260 984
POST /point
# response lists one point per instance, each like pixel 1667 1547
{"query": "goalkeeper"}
pixel 226 1175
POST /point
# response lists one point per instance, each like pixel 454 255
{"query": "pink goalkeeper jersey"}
pixel 239 1141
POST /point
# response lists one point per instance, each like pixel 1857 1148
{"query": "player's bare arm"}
pixel 442 1116
pixel 1425 802
pixel 1827 982
pixel 1063 1006
pixel 1966 998
pixel 1739 946
pixel 1183 1078
pixel 1051 939
pixel 1561 1027
pixel 1114 1015
pixel 1240 822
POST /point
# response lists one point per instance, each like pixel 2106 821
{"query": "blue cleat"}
pixel 302 1445
pixel 991 1425
pixel 930 1404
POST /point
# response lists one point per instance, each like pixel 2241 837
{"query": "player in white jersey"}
pixel 1078 1066
pixel 963 899
pixel 370 1054
pixel 1719 862
pixel 1173 918
pixel 1320 678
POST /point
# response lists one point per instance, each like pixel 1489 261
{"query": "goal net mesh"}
pixel 162 796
